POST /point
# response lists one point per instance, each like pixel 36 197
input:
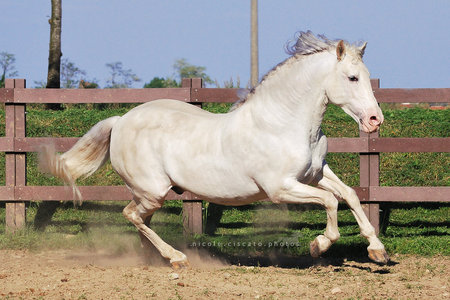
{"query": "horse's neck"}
pixel 293 97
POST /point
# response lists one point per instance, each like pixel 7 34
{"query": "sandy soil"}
pixel 84 275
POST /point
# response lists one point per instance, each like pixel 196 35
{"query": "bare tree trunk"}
pixel 46 209
pixel 54 57
pixel 254 44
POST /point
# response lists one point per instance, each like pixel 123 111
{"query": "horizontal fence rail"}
pixel 15 145
pixel 336 145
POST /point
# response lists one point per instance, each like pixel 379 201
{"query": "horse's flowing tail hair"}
pixel 84 158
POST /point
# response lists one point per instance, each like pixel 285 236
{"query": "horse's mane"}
pixel 304 43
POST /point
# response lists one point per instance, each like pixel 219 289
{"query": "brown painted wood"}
pixel 6 144
pixel 214 95
pixel 34 144
pixel 10 216
pixel 195 218
pixel 15 168
pixel 6 193
pixel 20 215
pixel 409 144
pixel 367 166
pixel 348 145
pixel 99 95
pixel 89 193
pixel 192 217
pixel 412 95
pixel 187 218
pixel 410 194
pixel 374 180
pixel 6 95
pixel 362 193
pixel 375 83
pixel 10 162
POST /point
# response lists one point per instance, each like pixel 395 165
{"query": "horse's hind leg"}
pixel 137 211
pixel 149 251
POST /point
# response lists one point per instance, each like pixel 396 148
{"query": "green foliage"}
pixel 243 231
pixel 217 108
pixel 182 69
pixel 230 84
pixel 88 84
pixel 159 82
pixel 119 76
pixel 186 70
pixel 70 74
pixel 7 67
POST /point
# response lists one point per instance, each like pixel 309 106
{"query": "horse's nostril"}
pixel 374 120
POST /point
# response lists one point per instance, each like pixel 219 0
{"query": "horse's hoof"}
pixel 181 264
pixel 314 249
pixel 379 256
pixel 320 244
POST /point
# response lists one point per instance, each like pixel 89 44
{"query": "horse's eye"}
pixel 353 78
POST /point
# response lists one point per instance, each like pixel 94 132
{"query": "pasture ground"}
pixel 65 274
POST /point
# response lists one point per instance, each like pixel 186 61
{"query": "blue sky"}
pixel 408 40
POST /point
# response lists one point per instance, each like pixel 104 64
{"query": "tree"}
pixel 54 56
pixel 186 70
pixel 7 61
pixel 229 84
pixel 120 77
pixel 70 74
pixel 159 82
pixel 182 69
pixel 88 84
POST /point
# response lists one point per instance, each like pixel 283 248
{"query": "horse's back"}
pixel 167 106
pixel 155 126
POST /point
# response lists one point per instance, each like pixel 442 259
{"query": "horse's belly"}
pixel 212 180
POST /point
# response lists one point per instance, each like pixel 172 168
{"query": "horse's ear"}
pixel 340 50
pixel 362 49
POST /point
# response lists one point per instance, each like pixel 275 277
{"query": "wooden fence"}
pixel 15 144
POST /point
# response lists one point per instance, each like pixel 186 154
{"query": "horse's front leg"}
pixel 332 183
pixel 295 192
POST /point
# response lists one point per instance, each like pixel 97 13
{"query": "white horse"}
pixel 270 146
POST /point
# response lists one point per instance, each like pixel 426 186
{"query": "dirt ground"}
pixel 85 275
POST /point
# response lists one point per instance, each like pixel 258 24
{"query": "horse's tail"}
pixel 84 158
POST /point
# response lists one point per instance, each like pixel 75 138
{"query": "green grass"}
pixel 255 230
pixel 266 229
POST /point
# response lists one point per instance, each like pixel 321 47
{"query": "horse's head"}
pixel 349 87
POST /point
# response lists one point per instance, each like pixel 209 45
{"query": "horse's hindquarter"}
pixel 170 142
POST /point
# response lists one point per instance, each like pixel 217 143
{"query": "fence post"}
pixel 15 162
pixel 369 167
pixel 193 209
